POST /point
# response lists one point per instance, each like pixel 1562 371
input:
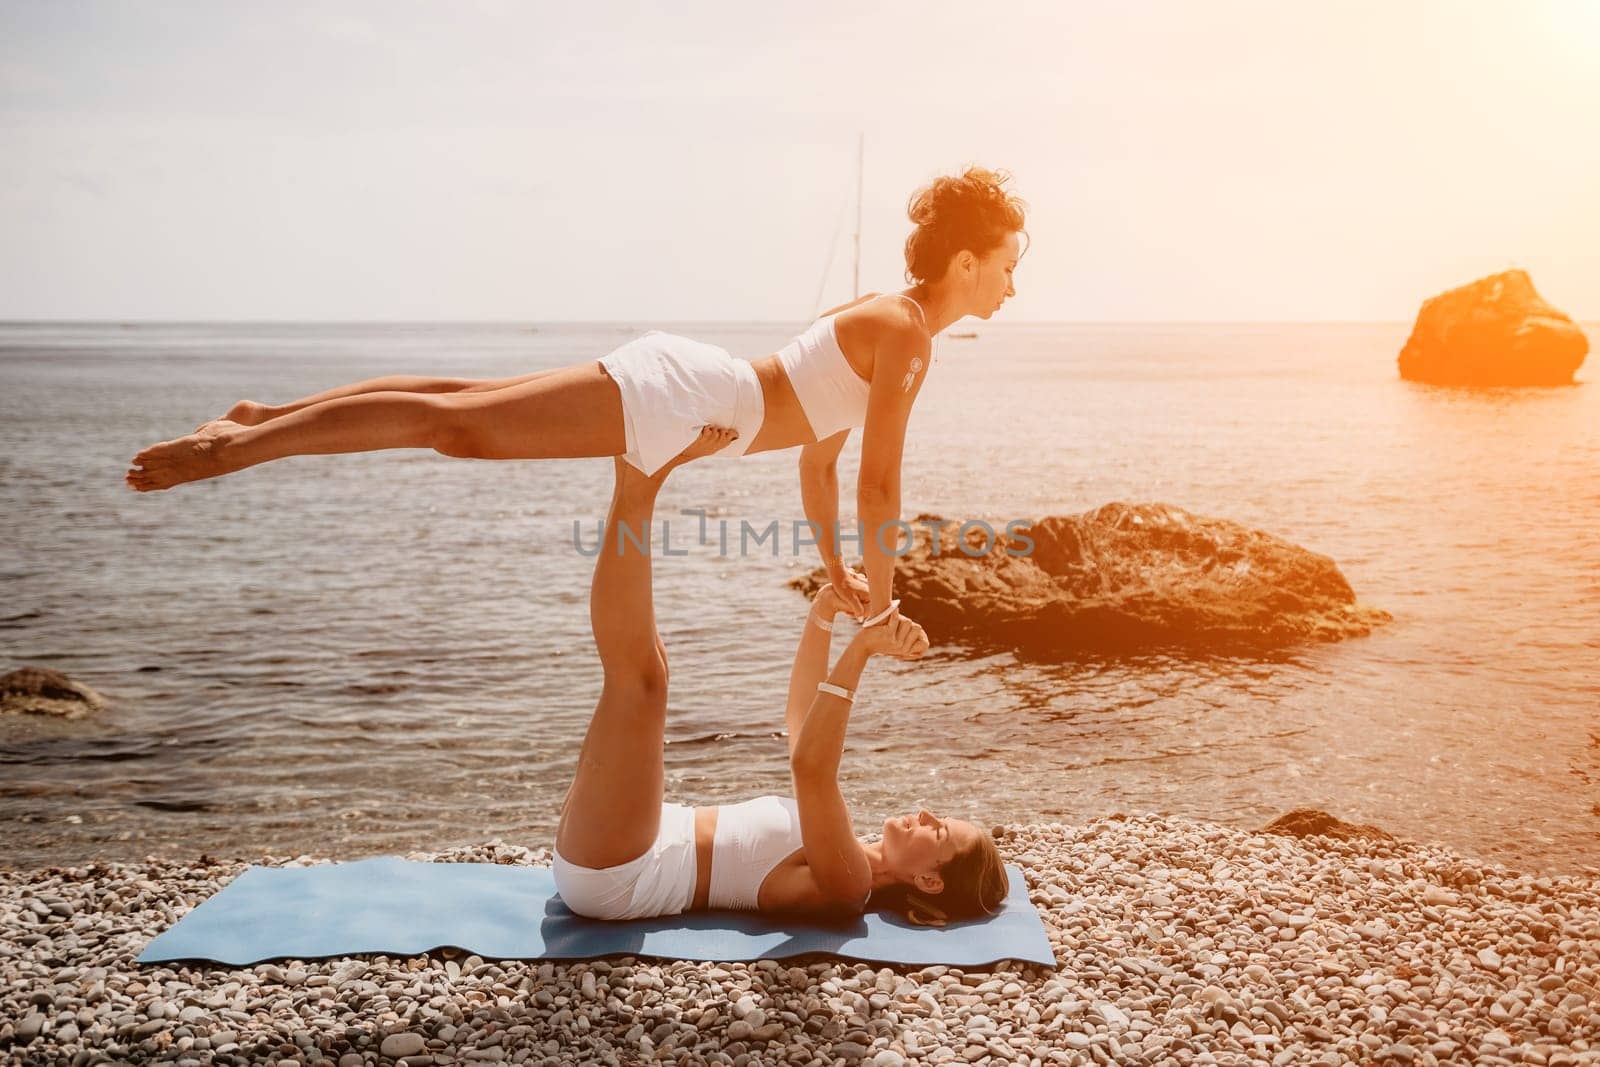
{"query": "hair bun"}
pixel 971 212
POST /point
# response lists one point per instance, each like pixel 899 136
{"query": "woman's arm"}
pixel 810 662
pixel 819 496
pixel 836 859
pixel 817 749
pixel 899 367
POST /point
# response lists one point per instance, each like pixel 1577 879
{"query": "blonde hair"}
pixel 975 882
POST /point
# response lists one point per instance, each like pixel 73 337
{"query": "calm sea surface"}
pixel 364 654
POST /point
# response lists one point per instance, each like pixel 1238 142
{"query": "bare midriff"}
pixel 783 420
pixel 705 837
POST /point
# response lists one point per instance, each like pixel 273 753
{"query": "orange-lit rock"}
pixel 1123 578
pixel 1495 331
pixel 42 691
pixel 1313 822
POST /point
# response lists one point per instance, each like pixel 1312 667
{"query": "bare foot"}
pixel 214 427
pixel 186 459
pixel 712 439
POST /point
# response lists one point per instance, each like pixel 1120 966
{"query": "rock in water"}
pixel 1494 331
pixel 1310 822
pixel 45 692
pixel 1122 578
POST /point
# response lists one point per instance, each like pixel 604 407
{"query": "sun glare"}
pixel 1572 28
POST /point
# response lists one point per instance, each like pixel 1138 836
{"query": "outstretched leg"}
pixel 613 808
pixel 576 411
pixel 250 413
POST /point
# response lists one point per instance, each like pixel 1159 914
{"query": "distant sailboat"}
pixel 861 167
pixel 833 242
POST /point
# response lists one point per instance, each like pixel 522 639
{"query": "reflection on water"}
pixel 372 653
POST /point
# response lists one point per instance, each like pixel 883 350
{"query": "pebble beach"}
pixel 1177 942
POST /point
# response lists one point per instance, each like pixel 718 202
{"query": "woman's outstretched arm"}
pixel 810 660
pixel 836 858
pixel 820 745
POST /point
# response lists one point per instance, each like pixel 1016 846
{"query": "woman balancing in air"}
pixel 622 853
pixel 859 365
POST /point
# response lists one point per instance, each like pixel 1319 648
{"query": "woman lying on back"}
pixel 623 852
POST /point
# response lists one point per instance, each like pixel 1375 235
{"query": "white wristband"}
pixel 882 615
pixel 812 615
pixel 836 690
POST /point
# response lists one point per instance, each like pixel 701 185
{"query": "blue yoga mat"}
pixel 406 908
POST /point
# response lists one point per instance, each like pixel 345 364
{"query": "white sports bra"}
pixel 831 394
pixel 751 839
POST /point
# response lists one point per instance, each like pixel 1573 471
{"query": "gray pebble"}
pixel 404 1044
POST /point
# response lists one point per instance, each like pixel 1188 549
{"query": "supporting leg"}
pixel 613 808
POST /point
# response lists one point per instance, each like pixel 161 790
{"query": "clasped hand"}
pixel 895 636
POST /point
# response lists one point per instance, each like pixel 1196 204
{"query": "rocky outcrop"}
pixel 42 691
pixel 1122 578
pixel 1495 331
pixel 1310 822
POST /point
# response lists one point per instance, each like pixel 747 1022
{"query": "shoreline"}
pixel 1177 941
pixel 205 853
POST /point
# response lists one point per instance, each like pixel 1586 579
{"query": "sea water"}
pixel 362 654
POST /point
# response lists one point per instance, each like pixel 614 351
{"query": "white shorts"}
pixel 672 386
pixel 658 882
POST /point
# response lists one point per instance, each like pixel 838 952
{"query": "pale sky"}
pixel 1183 161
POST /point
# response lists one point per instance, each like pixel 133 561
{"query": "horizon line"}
pixel 635 323
pixel 698 322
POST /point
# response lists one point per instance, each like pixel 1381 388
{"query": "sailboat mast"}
pixel 861 154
